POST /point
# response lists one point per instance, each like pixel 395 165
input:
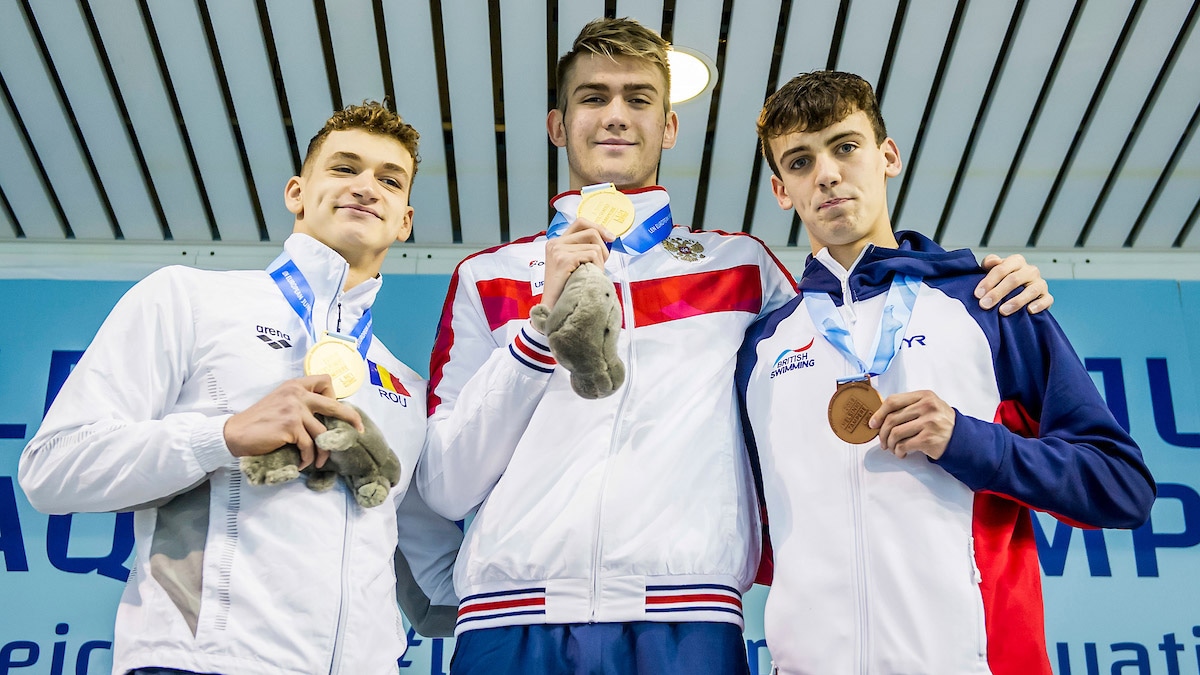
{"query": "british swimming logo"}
pixel 792 359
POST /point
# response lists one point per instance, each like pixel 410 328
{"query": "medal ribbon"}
pixel 643 236
pixel 897 310
pixel 299 294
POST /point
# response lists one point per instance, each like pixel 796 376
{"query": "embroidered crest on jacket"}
pixel 686 250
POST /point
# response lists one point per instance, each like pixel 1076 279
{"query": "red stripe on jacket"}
pixel 445 333
pixel 737 289
pixel 693 597
pixel 505 299
pixel 501 604
pixel 1011 585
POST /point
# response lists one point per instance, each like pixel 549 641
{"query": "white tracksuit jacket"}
pixel 889 565
pixel 230 577
pixel 635 507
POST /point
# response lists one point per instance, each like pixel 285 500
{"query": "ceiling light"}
pixel 692 73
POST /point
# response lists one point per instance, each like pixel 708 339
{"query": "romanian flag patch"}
pixel 380 377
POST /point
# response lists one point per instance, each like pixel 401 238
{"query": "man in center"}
pixel 614 535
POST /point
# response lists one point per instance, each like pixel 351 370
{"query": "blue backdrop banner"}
pixel 1117 602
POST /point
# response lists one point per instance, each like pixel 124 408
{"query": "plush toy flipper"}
pixel 364 461
pixel 582 330
pixel 273 468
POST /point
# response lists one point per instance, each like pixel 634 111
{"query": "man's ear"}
pixel 780 192
pixel 292 193
pixel 556 128
pixel 406 228
pixel 671 132
pixel 891 153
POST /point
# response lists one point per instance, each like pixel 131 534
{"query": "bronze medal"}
pixel 340 360
pixel 609 209
pixel 851 408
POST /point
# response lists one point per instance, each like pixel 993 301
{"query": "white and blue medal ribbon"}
pixel 855 400
pixel 341 356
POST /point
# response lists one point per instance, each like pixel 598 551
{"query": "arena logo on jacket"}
pixel 389 385
pixel 273 337
pixel 793 359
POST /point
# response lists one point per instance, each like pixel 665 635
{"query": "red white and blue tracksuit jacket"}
pixel 887 565
pixel 635 507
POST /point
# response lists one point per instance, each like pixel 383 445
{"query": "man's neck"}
pixel 359 274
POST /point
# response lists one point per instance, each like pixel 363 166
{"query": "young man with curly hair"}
pixel 194 369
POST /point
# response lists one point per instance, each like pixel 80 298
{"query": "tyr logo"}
pixel 918 339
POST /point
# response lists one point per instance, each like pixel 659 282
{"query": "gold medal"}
pixel 607 208
pixel 851 408
pixel 338 359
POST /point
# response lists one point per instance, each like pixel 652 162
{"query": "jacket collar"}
pixel 871 274
pixel 326 272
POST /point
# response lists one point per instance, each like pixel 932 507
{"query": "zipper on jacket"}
pixel 862 618
pixel 848 299
pixel 335 663
pixel 598 539
pixel 980 619
pixel 862 602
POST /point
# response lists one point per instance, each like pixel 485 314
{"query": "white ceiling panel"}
pixel 74 57
pixel 734 146
pixel 949 129
pixel 1126 92
pixel 910 80
pixel 179 32
pixel 806 49
pixel 1147 161
pixel 22 184
pixel 680 166
pixel 1065 109
pixel 646 12
pixel 252 87
pixel 1007 121
pixel 352 29
pixel 1176 207
pixel 865 40
pixel 30 83
pixel 302 67
pixel 410 47
pixel 469 69
pixel 525 103
pixel 135 68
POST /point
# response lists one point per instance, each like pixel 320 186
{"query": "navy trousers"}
pixel 640 648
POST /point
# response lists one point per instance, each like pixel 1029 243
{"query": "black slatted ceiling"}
pixel 1176 170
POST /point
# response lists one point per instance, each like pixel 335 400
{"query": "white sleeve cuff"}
pixel 208 443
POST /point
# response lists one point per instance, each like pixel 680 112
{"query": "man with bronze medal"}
pixel 900 433
pixel 614 534
pixel 194 369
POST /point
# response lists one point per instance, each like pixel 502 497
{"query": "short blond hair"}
pixel 613 38
pixel 372 117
